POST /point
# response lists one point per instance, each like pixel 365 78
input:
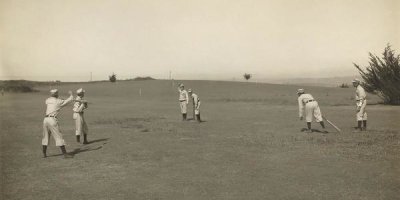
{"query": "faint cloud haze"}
pixel 68 40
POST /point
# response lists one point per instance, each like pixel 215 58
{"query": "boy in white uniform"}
pixel 361 103
pixel 196 104
pixel 309 107
pixel 50 122
pixel 183 100
pixel 80 123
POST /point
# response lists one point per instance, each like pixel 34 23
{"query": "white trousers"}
pixel 312 110
pixel 362 113
pixel 80 124
pixel 183 106
pixel 50 127
pixel 197 108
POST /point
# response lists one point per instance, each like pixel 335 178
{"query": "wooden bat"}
pixel 332 124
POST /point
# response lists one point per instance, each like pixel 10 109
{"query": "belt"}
pixel 50 116
pixel 182 100
pixel 310 101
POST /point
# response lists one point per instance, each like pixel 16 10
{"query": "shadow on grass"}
pixel 98 140
pixel 314 130
pixel 77 151
pixel 84 149
pixel 194 120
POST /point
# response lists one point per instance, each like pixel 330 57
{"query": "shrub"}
pixel 113 77
pixel 246 76
pixel 344 85
pixel 17 86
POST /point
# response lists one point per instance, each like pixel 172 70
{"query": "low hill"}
pixel 324 82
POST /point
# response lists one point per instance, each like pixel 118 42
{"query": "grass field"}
pixel 250 146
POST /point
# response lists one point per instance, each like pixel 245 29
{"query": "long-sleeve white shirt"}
pixel 55 104
pixel 303 99
pixel 360 93
pixel 196 99
pixel 183 95
pixel 79 106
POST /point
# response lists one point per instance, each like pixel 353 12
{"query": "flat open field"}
pixel 250 146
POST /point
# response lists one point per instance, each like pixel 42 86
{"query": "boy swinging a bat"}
pixel 309 107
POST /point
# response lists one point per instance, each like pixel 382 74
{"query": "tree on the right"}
pixel 382 76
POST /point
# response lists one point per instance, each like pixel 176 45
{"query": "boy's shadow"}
pixel 85 148
pixel 313 130
pixel 98 140
pixel 195 120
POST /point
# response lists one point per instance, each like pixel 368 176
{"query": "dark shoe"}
pixel 198 118
pixel 64 152
pixel 364 125
pixel 85 139
pixel 44 150
pixel 78 138
pixel 359 125
pixel 309 125
pixel 322 124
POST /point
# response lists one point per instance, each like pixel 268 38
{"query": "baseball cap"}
pixel 355 81
pixel 53 91
pixel 80 90
pixel 300 91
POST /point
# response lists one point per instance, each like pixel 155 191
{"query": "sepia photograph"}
pixel 199 99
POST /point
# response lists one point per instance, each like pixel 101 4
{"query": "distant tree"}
pixel 17 86
pixel 145 78
pixel 246 76
pixel 344 85
pixel 113 77
pixel 382 76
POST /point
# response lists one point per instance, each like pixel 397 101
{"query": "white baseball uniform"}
pixel 183 100
pixel 361 103
pixel 50 122
pixel 308 105
pixel 196 102
pixel 80 123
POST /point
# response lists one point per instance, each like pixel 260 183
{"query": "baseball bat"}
pixel 332 124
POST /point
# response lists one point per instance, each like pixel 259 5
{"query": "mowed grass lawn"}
pixel 250 146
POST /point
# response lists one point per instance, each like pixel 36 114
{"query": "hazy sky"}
pixel 206 39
